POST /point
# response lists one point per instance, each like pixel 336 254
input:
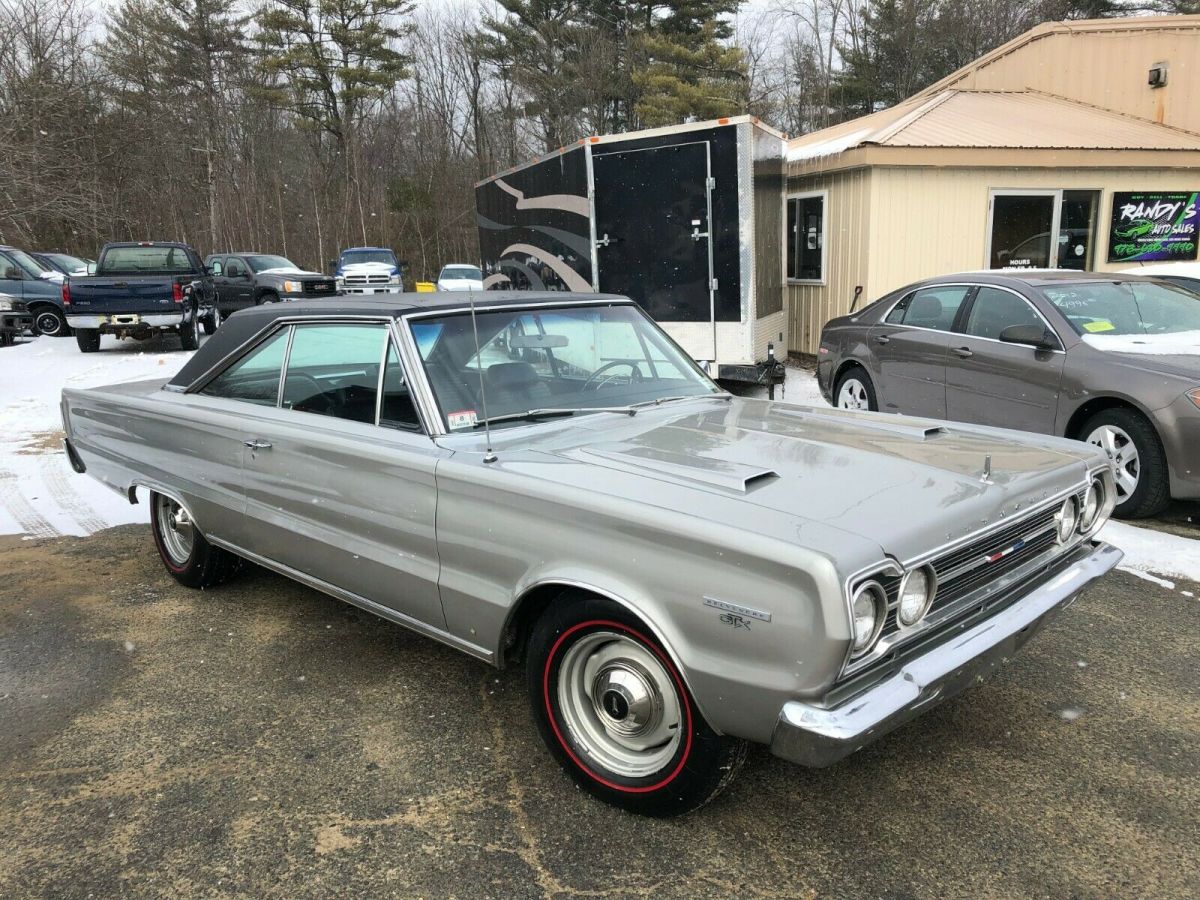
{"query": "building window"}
pixel 1040 229
pixel 806 237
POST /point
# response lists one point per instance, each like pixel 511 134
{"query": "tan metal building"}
pixel 1033 155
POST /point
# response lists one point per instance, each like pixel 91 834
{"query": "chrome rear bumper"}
pixel 128 320
pixel 818 736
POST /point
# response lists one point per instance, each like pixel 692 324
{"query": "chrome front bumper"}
pixel 818 736
pixel 130 320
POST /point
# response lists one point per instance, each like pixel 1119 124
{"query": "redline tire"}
pixel 203 565
pixel 689 769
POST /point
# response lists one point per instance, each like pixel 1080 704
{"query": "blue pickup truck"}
pixel 138 289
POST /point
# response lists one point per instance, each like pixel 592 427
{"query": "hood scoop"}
pixel 719 473
pixel 859 420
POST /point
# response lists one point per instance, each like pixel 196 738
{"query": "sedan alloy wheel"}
pixel 1123 452
pixel 853 395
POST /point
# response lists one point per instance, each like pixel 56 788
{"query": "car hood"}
pixel 283 270
pixel 907 484
pixel 368 268
pixel 1167 354
pixel 460 284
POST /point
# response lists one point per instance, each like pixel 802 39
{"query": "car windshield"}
pixel 533 362
pixel 368 256
pixel 1118 308
pixel 32 267
pixel 461 273
pixel 261 263
pixel 69 263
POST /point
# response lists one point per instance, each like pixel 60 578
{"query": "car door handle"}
pixel 964 352
pixel 258 444
pixel 882 339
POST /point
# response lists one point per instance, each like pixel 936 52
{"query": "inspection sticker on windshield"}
pixel 464 418
pixel 1099 325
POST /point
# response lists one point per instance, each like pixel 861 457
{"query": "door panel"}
pixel 993 383
pixel 663 261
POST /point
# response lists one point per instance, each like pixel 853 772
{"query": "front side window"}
pixel 806 237
pixel 932 307
pixel 255 377
pixel 567 359
pixel 333 370
pixel 995 309
pixel 1120 308
pixel 396 407
pixel 234 268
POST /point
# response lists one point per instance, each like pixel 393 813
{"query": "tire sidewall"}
pixel 698 768
pixel 1152 491
pixel 60 330
pixel 859 374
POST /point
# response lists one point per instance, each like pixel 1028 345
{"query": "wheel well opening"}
pixel 843 369
pixel 1089 409
pixel 530 607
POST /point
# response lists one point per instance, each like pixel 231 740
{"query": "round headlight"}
pixel 1093 502
pixel 1066 518
pixel 916 596
pixel 868 608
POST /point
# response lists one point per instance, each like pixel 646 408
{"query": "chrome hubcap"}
pixel 1119 446
pixel 620 704
pixel 853 395
pixel 48 324
pixel 176 530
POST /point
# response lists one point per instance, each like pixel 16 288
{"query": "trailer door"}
pixel 653 208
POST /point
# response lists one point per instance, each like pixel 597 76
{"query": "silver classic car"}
pixel 547 478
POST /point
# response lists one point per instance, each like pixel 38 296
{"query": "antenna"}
pixel 488 456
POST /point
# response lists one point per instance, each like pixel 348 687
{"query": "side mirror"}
pixel 92 268
pixel 1030 335
pixel 12 273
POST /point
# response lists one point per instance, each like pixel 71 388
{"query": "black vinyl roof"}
pixel 245 324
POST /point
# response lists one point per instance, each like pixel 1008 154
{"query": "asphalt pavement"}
pixel 263 740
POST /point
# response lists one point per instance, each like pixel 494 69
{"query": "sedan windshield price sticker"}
pixel 1153 226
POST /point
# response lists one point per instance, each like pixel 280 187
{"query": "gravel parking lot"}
pixel 263 740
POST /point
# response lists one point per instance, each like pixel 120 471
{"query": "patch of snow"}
pixel 828 147
pixel 800 386
pixel 1180 343
pixel 1154 551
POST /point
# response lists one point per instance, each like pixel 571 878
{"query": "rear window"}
pixel 132 260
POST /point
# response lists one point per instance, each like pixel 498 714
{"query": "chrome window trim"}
pixel 418 388
pixel 1037 312
pixel 387 345
pixel 883 321
pixel 287 355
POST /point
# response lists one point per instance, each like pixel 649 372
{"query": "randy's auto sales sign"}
pixel 1148 226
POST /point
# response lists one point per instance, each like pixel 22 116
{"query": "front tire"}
pixel 88 339
pixel 1143 482
pixel 191 560
pixel 614 711
pixel 854 390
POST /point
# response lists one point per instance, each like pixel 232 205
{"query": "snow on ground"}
pixel 40 496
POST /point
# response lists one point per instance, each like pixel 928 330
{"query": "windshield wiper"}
pixel 724 395
pixel 551 413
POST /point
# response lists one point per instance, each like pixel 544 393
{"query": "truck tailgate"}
pixel 119 295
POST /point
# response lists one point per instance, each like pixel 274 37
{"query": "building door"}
pixel 1048 229
pixel 653 212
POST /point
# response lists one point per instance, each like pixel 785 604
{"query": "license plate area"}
pixel 126 319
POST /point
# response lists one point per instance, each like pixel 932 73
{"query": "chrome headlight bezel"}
pixel 1092 509
pixel 1066 519
pixel 929 594
pixel 873 592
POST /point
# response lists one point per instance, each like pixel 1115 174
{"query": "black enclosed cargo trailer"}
pixel 686 220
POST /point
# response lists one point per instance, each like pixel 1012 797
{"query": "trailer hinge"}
pixel 712 184
pixel 713 285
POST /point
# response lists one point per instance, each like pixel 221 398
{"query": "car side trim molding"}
pixel 378 609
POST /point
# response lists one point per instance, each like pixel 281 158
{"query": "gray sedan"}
pixel 547 478
pixel 1110 359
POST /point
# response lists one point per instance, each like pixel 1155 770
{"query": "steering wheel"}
pixel 318 402
pixel 635 374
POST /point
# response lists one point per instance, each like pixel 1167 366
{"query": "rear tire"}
pixel 191 560
pixel 614 711
pixel 212 321
pixel 51 322
pixel 187 334
pixel 1143 480
pixel 854 390
pixel 88 339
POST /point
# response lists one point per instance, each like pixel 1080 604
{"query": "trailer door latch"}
pixel 697 233
pixel 604 241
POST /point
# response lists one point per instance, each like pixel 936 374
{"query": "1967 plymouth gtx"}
pixel 548 478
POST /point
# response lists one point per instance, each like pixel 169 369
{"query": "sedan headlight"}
pixel 1066 519
pixel 868 606
pixel 916 596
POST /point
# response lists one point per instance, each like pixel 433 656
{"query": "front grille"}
pixel 318 287
pixel 964 573
pixel 368 279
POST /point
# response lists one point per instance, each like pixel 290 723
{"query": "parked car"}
pixel 460 277
pixel 24 277
pixel 681 570
pixel 1106 358
pixel 64 262
pixel 248 279
pixel 368 270
pixel 14 319
pixel 1184 274
pixel 140 289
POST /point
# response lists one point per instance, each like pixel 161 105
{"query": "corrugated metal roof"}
pixel 994 119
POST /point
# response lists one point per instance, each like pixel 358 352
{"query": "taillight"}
pixel 66 292
pixel 177 292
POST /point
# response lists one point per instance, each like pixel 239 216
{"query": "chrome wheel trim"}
pixel 216 318
pixel 1122 451
pixel 853 395
pixel 55 322
pixel 176 530
pixel 620 704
